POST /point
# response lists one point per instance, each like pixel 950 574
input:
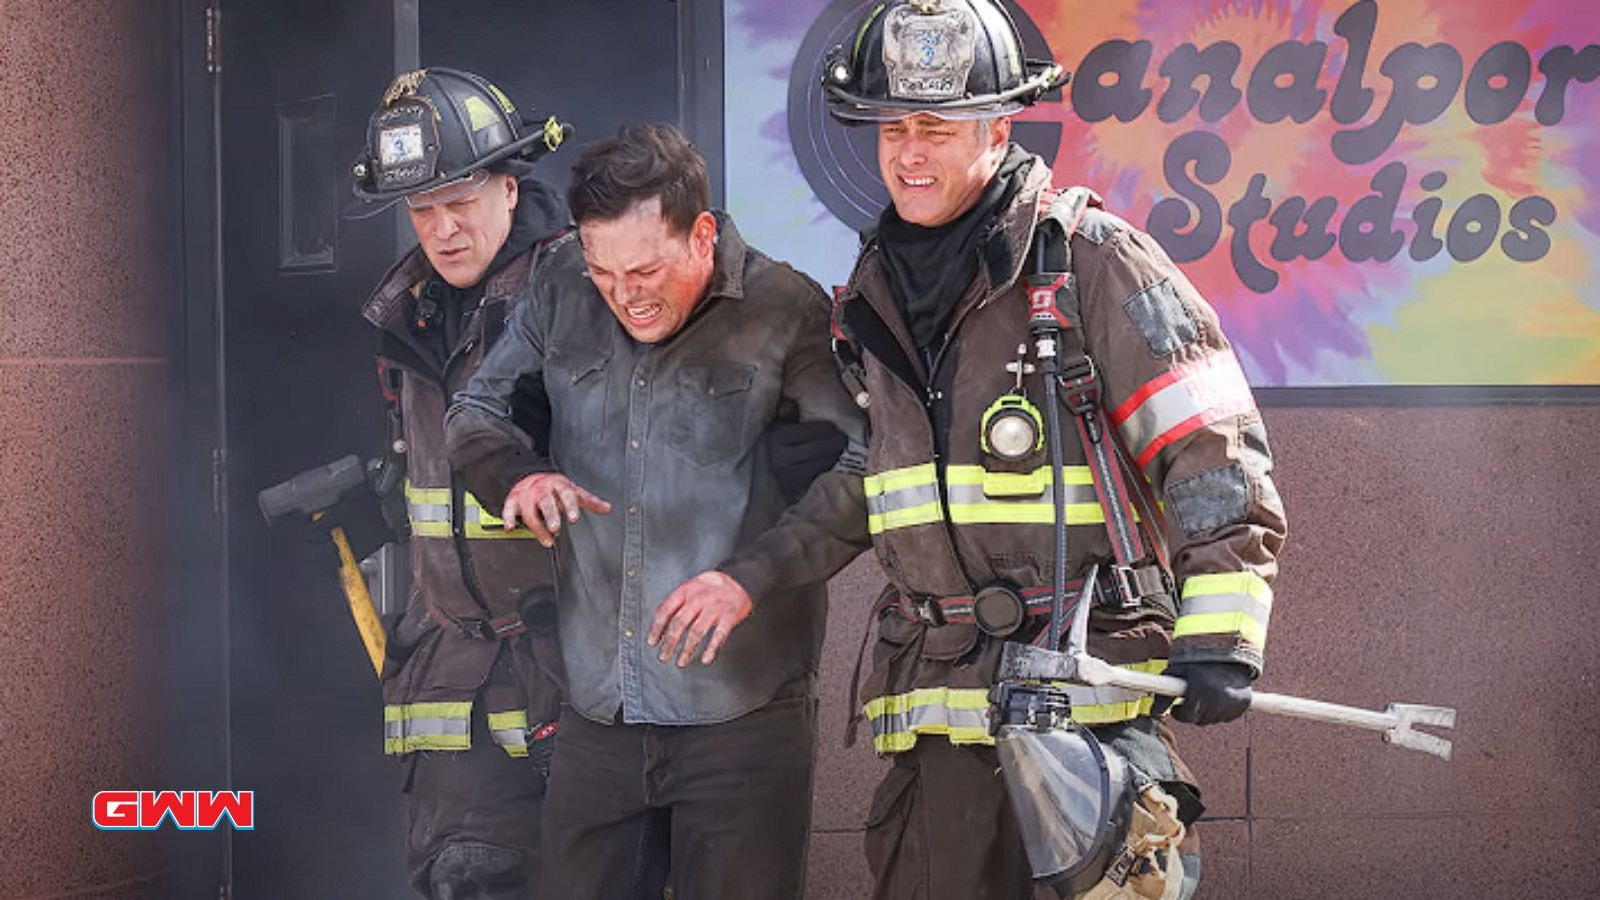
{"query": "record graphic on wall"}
pixel 841 163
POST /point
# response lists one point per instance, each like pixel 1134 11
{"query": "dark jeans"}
pixel 738 795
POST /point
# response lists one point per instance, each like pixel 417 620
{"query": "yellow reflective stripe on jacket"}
pixel 510 731
pixel 1107 705
pixel 484 525
pixel 427 726
pixel 902 498
pixel 429 511
pixel 1228 603
pixel 962 714
pixel 978 496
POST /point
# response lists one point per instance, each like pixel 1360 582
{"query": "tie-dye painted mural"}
pixel 1397 192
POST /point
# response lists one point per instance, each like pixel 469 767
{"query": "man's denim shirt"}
pixel 671 435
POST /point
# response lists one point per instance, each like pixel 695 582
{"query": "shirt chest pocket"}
pixel 710 409
pixel 577 384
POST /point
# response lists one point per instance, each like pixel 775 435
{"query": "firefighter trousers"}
pixel 474 820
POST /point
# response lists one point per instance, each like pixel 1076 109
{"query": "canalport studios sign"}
pixel 1372 193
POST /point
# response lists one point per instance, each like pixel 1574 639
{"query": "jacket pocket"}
pixel 711 407
pixel 576 381
pixel 948 643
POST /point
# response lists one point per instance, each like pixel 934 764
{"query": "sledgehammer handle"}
pixel 355 593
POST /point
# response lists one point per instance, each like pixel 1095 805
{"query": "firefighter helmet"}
pixel 957 59
pixel 438 126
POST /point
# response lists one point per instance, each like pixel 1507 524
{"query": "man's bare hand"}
pixel 710 603
pixel 540 501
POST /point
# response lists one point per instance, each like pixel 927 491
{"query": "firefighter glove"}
pixel 1217 692
pixel 801 451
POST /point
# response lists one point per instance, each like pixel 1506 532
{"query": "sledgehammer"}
pixel 313 493
pixel 1398 722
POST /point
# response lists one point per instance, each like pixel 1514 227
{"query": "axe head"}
pixel 1025 662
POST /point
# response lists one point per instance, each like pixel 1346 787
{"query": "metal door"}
pixel 298 80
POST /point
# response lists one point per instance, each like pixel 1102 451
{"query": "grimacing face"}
pixel 461 237
pixel 651 276
pixel 936 169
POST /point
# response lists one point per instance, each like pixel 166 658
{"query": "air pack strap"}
pixel 1053 297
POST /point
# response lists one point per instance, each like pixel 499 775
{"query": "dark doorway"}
pixel 299 79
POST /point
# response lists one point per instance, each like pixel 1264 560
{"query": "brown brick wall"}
pixel 86 99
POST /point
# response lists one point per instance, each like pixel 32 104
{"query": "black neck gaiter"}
pixel 539 213
pixel 930 268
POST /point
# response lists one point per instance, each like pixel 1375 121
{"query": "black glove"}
pixel 1217 692
pixel 361 514
pixel 800 451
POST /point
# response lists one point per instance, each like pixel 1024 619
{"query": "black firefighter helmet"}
pixel 957 59
pixel 438 126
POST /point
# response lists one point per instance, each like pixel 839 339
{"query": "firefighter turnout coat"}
pixel 947 519
pixel 476 588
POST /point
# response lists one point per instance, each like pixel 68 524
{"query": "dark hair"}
pixel 641 162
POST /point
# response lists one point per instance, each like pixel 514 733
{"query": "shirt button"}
pixel 632 572
pixel 633 510
pixel 641 382
pixel 633 444
pixel 628 633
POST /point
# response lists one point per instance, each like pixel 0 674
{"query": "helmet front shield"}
pixel 955 59
pixel 436 127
